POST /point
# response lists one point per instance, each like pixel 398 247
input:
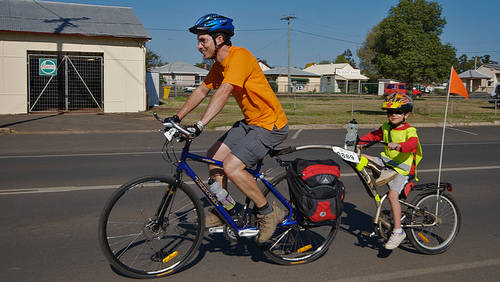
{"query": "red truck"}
pixel 400 87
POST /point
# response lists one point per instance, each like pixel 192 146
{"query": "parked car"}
pixel 191 88
pixel 400 87
pixel 495 95
pixel 424 89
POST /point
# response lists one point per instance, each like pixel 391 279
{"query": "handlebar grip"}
pixel 158 118
pixel 371 143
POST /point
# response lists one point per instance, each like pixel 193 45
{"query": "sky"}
pixel 321 29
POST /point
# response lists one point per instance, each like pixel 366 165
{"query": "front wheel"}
pixel 298 243
pixel 141 243
pixel 438 218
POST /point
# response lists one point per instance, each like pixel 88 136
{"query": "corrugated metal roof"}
pixel 293 71
pixel 473 74
pixel 180 68
pixel 494 66
pixel 68 18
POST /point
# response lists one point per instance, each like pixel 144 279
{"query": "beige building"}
pixel 338 78
pixel 70 57
pixel 301 81
pixel 493 72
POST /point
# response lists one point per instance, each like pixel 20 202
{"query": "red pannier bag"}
pixel 315 189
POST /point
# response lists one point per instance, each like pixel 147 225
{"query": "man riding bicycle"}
pixel 236 72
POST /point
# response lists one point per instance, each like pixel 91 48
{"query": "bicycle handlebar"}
pixel 371 143
pixel 169 124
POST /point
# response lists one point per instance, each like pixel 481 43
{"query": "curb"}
pixel 5 131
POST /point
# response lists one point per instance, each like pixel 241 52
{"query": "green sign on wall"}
pixel 48 66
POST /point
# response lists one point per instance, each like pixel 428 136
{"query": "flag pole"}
pixel 444 130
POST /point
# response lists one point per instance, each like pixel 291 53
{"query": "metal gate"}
pixel 65 83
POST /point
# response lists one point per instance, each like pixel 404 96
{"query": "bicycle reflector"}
pixel 305 248
pixel 449 188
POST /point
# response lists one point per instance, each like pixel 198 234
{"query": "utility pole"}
pixel 288 18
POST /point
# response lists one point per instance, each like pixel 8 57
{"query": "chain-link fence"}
pixel 65 82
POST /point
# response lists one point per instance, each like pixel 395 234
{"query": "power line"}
pixel 327 37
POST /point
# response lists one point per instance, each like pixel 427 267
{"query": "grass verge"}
pixel 302 111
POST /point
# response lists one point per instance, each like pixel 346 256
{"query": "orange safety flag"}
pixel 456 85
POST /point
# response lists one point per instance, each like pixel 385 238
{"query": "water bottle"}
pixel 221 194
pixel 351 136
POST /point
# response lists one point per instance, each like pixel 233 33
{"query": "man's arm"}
pixel 194 100
pixel 217 103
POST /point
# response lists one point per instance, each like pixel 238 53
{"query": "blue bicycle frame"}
pixel 241 231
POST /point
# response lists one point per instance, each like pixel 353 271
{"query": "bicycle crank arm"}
pixel 249 232
pixel 218 229
pixel 418 225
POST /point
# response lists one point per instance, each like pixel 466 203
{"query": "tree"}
pixel 340 59
pixel 407 45
pixel 366 54
pixel 346 57
pixel 310 64
pixel 153 60
pixel 464 64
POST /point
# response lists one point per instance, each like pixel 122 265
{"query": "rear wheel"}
pixel 140 243
pixel 298 243
pixel 438 218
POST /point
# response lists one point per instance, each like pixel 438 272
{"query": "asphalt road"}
pixel 53 187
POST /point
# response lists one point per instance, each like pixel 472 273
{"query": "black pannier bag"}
pixel 315 189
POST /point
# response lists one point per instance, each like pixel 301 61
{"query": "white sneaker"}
pixel 395 240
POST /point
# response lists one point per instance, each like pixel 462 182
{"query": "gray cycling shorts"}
pixel 251 143
pixel 399 182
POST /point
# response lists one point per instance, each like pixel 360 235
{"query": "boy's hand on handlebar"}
pixel 394 146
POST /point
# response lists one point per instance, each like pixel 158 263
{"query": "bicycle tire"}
pixel 299 243
pixel 434 239
pixel 131 241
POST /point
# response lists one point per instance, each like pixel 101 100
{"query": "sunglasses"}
pixel 399 113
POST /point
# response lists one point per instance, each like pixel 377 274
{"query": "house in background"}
pixel 303 81
pixel 180 75
pixel 341 78
pixel 264 66
pixel 474 81
pixel 71 57
pixel 492 71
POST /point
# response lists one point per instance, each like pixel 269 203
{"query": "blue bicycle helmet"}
pixel 212 23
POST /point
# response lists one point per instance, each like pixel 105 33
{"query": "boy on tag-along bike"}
pixel 399 160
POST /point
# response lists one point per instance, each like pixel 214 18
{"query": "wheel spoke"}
pixel 140 244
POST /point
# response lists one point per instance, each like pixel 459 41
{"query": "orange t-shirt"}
pixel 254 95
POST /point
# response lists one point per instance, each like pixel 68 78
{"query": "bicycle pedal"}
pixel 368 234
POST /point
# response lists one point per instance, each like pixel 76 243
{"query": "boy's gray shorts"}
pixel 399 182
pixel 251 143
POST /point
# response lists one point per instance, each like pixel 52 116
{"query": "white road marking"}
pixel 104 187
pixel 401 274
pixel 296 134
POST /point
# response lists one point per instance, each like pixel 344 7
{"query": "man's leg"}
pixel 234 168
pixel 268 217
pixel 219 151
